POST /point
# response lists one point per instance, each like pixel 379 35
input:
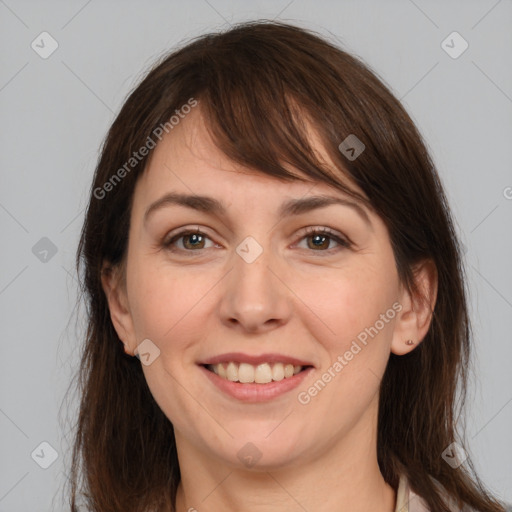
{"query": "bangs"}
pixel 271 117
pixel 271 137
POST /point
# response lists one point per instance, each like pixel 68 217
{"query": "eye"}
pixel 192 240
pixel 321 238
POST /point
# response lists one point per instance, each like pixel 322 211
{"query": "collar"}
pixel 407 500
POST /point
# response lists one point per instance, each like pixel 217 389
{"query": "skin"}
pixel 295 299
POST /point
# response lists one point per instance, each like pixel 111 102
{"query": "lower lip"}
pixel 256 392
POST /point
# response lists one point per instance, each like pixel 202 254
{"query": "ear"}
pixel 413 321
pixel 115 291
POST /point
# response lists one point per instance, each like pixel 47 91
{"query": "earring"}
pixel 409 342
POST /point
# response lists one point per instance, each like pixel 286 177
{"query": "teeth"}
pixel 232 372
pixel 220 370
pixel 245 372
pixel 260 374
pixel 288 370
pixel 278 372
pixel 263 374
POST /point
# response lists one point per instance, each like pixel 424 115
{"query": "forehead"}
pixel 188 160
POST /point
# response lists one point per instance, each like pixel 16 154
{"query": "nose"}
pixel 255 297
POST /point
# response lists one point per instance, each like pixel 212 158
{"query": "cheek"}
pixel 354 337
pixel 351 302
pixel 165 303
pixel 355 340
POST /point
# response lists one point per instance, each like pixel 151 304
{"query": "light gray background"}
pixel 55 113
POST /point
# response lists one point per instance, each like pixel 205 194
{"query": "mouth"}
pixel 255 378
pixel 254 383
pixel 263 373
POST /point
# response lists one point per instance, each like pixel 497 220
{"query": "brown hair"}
pixel 256 83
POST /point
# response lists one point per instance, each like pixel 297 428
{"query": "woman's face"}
pixel 256 280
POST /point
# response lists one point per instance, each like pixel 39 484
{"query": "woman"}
pixel 277 311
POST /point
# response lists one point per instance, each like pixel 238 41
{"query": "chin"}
pixel 257 450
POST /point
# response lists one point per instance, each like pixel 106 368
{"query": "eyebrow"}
pixel 211 205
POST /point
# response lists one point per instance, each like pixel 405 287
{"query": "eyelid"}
pixel 343 241
pixel 178 233
pixel 326 230
pixel 340 238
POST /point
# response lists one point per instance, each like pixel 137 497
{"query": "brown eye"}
pixel 192 240
pixel 196 241
pixel 319 240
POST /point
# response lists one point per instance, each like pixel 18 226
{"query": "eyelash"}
pixel 311 231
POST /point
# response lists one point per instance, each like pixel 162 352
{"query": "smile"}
pixel 255 378
pixel 260 374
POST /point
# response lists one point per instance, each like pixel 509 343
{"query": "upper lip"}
pixel 255 360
